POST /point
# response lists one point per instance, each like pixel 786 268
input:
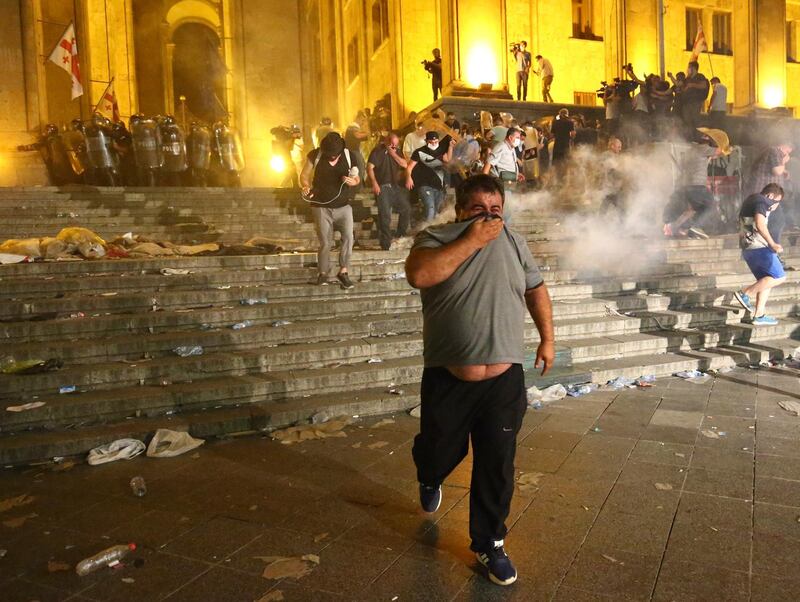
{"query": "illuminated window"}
pixel 583 23
pixel 692 25
pixel 353 64
pixel 722 33
pixel 380 23
pixel 791 41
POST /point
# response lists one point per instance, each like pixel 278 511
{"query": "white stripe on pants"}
pixel 326 222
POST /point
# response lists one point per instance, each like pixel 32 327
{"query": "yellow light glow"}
pixel 277 164
pixel 772 96
pixel 481 65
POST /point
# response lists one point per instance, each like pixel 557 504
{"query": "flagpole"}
pixel 710 64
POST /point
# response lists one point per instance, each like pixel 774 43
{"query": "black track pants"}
pixel 491 413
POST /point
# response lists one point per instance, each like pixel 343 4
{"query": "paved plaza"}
pixel 679 492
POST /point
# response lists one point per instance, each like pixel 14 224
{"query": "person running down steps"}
pixel 473 385
pixel 334 175
pixel 760 252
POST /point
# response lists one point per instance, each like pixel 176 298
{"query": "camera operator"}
pixel 523 58
pixel 434 67
pixel 611 100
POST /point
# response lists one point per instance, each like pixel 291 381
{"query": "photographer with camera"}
pixel 523 58
pixel 434 67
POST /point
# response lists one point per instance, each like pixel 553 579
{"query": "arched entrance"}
pixel 198 73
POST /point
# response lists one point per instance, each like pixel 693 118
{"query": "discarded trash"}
pixel 128 580
pixel 67 389
pixel 528 482
pixel 26 406
pixel 277 323
pixel 416 412
pixel 579 390
pixel 694 376
pixel 306 432
pixel 8 258
pixel 378 444
pixel 223 287
pixel 536 405
pixel 392 390
pixel 241 325
pixel 381 423
pixel 374 360
pixel 138 486
pixel 188 350
pixel 663 486
pixel 711 434
pixel 121 449
pixel 597 429
pixel 645 381
pixel 33 366
pixel 793 407
pixel 281 567
pixel 619 383
pixel 262 301
pixel 107 557
pixel 174 272
pixel 320 537
pixel 611 559
pixel 16 502
pixel 167 444
pixel 14 523
pixel 548 395
pixel 55 566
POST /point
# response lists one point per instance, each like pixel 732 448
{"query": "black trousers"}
pixel 490 412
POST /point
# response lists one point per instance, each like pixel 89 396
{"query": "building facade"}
pixel 263 63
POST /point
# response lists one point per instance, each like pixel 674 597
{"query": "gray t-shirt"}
pixel 694 164
pixel 477 316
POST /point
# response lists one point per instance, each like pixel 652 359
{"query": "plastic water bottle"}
pixel 104 558
pixel 138 486
pixel 240 325
pixel 188 350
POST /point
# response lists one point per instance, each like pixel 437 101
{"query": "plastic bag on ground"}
pixel 305 432
pixel 8 258
pixel 121 449
pixel 619 383
pixel 694 376
pixel 548 395
pixel 167 444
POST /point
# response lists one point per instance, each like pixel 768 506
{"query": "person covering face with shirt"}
pixel 476 279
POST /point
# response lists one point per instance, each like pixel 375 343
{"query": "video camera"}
pixel 514 47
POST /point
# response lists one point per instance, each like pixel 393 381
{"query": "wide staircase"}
pixel 302 351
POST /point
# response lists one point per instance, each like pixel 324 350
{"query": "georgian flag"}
pixel 700 44
pixel 65 55
pixel 107 105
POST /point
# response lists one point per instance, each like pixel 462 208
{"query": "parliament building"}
pixel 263 63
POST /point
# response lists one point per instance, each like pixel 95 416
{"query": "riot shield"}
pixel 173 148
pixel 147 144
pixel 62 170
pixel 76 151
pixel 198 147
pixel 229 149
pixel 98 148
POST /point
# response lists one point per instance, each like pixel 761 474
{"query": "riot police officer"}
pixel 123 145
pixel 53 151
pixel 173 150
pixel 146 149
pixel 103 162
pixel 228 155
pixel 198 150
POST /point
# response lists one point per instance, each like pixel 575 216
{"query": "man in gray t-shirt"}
pixel 477 278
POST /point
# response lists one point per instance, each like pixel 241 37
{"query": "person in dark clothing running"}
pixel 384 171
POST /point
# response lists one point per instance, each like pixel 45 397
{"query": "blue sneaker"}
pixel 430 498
pixel 764 321
pixel 495 559
pixel 744 300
